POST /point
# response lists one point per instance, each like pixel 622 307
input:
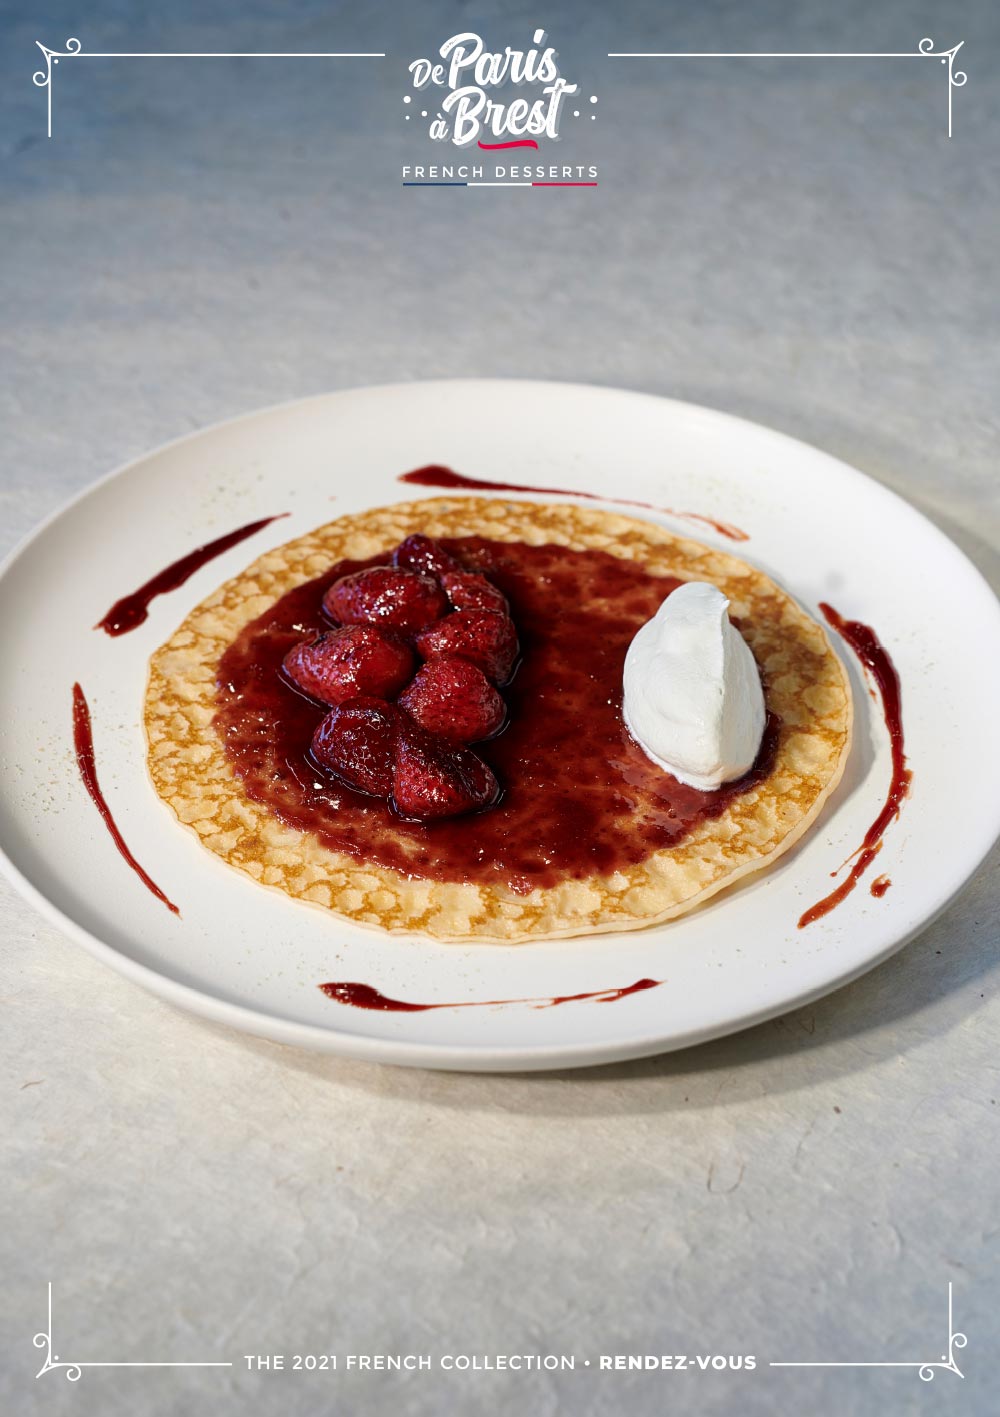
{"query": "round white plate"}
pixel 253 958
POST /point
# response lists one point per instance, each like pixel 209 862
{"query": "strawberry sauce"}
pixel 130 612
pixel 875 658
pixel 433 475
pixel 580 798
pixel 363 996
pixel 83 742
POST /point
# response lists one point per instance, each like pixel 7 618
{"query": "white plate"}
pixel 253 958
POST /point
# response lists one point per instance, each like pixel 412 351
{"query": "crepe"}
pixel 806 687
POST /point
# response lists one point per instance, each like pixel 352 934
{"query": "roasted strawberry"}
pixel 356 659
pixel 357 741
pixel 468 591
pixel 420 553
pixel 431 779
pixel 454 699
pixel 390 596
pixel 483 636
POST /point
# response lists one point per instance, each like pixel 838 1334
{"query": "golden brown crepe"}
pixel 806 686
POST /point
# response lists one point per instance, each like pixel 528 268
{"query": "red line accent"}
pixel 363 996
pixel 436 476
pixel 133 610
pixel 83 742
pixel 564 184
pixel 517 143
pixel 877 662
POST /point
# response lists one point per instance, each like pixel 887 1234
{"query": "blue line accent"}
pixel 435 184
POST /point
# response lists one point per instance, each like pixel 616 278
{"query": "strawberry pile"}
pixel 410 673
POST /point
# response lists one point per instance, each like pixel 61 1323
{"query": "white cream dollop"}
pixel 693 700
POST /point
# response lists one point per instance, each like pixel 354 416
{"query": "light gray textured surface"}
pixel 798 243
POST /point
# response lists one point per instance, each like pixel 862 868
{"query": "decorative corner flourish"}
pixel 43 79
pixel 74 1371
pixel 926 1370
pixel 955 1339
pixel 956 77
pixel 924 50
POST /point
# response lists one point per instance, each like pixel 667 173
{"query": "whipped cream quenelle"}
pixel 693 700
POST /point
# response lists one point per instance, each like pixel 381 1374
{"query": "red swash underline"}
pixel 516 143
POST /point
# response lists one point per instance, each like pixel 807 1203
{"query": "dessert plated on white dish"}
pixel 255 959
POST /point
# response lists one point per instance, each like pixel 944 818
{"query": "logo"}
pixel 469 72
pixel 497 100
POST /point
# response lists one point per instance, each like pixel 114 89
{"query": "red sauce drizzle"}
pixel 363 996
pixel 879 886
pixel 580 797
pixel 875 658
pixel 436 476
pixel 130 612
pixel 83 742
